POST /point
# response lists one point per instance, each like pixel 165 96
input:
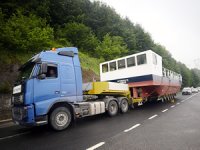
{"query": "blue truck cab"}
pixel 49 79
pixel 50 91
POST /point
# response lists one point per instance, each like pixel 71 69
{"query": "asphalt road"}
pixel 154 126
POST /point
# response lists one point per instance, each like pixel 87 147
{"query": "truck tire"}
pixel 60 118
pixel 124 105
pixel 112 108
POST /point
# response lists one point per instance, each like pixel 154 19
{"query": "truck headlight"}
pixel 12 100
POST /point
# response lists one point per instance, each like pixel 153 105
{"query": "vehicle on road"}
pixel 50 89
pixel 195 90
pixel 187 91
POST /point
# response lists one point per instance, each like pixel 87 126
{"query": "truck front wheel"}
pixel 60 118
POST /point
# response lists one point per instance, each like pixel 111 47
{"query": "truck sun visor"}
pixel 66 53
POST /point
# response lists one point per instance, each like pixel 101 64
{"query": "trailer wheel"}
pixel 60 118
pixel 124 106
pixel 112 108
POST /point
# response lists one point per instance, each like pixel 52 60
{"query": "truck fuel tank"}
pixel 97 108
pixel 83 109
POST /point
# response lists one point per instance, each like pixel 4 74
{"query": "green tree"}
pixel 143 39
pixel 26 33
pixel 2 24
pixel 186 75
pixel 195 77
pixel 111 47
pixel 80 36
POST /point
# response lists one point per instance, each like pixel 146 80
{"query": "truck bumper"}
pixel 24 115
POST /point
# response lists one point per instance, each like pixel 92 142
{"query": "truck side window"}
pixel 141 59
pixel 105 68
pixel 52 72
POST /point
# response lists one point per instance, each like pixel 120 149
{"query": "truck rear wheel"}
pixel 112 108
pixel 124 105
pixel 60 118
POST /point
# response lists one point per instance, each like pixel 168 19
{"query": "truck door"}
pixel 47 90
pixel 68 82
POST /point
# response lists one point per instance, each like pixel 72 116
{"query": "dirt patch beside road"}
pixel 5 106
pixel 5 114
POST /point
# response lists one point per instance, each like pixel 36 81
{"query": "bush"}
pixel 5 88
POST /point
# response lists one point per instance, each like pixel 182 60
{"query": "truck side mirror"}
pixel 42 76
pixel 43 71
pixel 43 68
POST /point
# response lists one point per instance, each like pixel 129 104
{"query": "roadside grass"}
pixel 90 63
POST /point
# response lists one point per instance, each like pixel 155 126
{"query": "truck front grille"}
pixel 18 113
pixel 17 99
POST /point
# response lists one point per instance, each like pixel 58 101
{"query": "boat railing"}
pixel 171 74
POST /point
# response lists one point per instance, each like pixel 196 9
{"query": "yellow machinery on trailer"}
pixel 106 88
pixel 116 90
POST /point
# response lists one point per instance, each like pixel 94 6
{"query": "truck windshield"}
pixel 26 71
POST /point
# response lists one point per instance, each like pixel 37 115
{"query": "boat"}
pixel 145 75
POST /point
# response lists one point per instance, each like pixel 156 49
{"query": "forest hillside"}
pixel 29 26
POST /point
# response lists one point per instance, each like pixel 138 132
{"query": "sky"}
pixel 174 24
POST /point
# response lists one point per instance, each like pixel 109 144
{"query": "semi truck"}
pixel 49 90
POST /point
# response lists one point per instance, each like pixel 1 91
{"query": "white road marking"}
pixel 1 121
pixel 5 125
pixel 11 136
pixel 177 103
pixel 152 116
pixel 165 110
pixel 191 96
pixel 133 127
pixel 182 101
pixel 96 146
pixel 172 106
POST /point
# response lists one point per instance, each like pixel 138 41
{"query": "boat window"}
pixel 164 72
pixel 112 66
pixel 121 64
pixel 141 59
pixel 154 59
pixel 167 73
pixel 130 61
pixel 105 68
